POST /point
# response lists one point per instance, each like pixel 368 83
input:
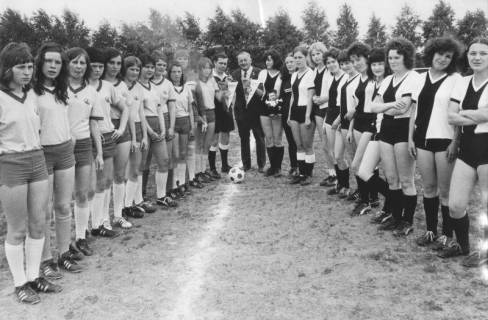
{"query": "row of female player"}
pixel 87 123
pixel 372 109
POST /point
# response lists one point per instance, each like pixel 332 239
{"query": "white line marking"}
pixel 199 262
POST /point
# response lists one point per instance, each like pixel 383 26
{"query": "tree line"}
pixel 235 31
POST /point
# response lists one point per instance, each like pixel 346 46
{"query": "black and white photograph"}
pixel 244 160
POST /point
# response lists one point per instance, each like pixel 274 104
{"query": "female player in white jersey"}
pixel 24 186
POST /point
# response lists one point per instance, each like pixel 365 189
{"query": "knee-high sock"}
pixel 161 179
pixel 270 151
pixel 145 178
pixel 212 154
pixel 279 153
pixel 345 178
pixel 461 229
pixel 363 190
pixel 130 193
pixel 224 150
pixel 301 163
pixel 410 204
pixel 309 163
pixel 180 172
pixel 63 232
pixel 81 221
pixel 377 184
pixel 97 212
pixel 46 251
pixel 33 252
pixel 446 222
pixel 138 198
pixel 373 192
pixel 198 166
pixel 190 162
pixel 15 259
pixel 204 162
pixel 106 207
pixel 118 190
pixel 396 204
pixel 431 208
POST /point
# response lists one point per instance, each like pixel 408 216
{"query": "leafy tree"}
pixel 376 36
pixel 347 28
pixel 105 36
pixel 42 23
pixel 315 24
pixel 472 25
pixel 190 27
pixel 441 22
pixel 14 27
pixel 70 30
pixel 281 34
pixel 407 25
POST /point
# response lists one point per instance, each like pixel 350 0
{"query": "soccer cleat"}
pixel 292 172
pixel 74 254
pixel 334 191
pixel 277 173
pixel 306 181
pixel 426 239
pixel 380 217
pixel 42 285
pixel 269 172
pixel 261 169
pixel 360 209
pixel 403 229
pixel 121 222
pixel 214 174
pixel 133 212
pixel 353 196
pixel 208 175
pixel 196 184
pixel 225 169
pixel 49 270
pixel 82 246
pixel 330 181
pixel 147 207
pixel 68 264
pixel 389 225
pixel 374 203
pixel 167 202
pixel 104 231
pixel 343 193
pixel 26 294
pixel 296 179
pixel 452 250
pixel 474 260
pixel 180 190
pixel 440 243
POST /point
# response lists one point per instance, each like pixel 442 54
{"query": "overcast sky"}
pixel 94 11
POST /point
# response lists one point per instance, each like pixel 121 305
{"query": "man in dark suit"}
pixel 246 111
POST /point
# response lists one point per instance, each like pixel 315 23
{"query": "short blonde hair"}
pixel 316 46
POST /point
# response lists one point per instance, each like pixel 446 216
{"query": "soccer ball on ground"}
pixel 236 175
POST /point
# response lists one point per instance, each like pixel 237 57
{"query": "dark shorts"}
pixel 139 134
pixel 224 120
pixel 22 168
pixel 210 114
pixel 108 146
pixel 153 122
pixel 365 124
pixel 394 131
pixel 83 153
pixel 432 145
pixel 332 114
pixel 297 113
pixel 473 149
pixel 59 156
pixel 318 112
pixel 125 137
pixel 182 125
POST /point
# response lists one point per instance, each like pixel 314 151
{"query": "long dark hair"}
pixel 175 64
pixel 61 81
pixel 11 55
pixel 111 53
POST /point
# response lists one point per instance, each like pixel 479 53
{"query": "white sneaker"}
pixel 121 222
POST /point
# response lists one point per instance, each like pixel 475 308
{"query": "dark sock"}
pixel 431 208
pixel 410 204
pixel 279 152
pixel 336 168
pixel 145 176
pixel 223 157
pixel 461 229
pixel 310 169
pixel 373 192
pixel 211 159
pixel 446 222
pixel 396 204
pixel 340 179
pixel 301 167
pixel 270 152
pixel 363 190
pixel 378 184
pixel 345 178
pixel 387 203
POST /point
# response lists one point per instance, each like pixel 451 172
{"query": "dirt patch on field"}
pixel 259 250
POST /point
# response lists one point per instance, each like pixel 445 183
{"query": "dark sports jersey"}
pixel 333 91
pixel 472 99
pixel 361 95
pixel 425 105
pixel 319 76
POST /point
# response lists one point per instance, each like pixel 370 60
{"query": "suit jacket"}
pixel 250 111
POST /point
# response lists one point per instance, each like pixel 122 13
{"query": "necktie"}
pixel 245 74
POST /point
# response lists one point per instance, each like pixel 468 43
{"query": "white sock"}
pixel 190 161
pixel 106 206
pixel 204 162
pixel 138 196
pixel 33 252
pixel 175 177
pixel 197 163
pixel 90 212
pixel 118 194
pixel 181 172
pixel 332 172
pixel 161 180
pixel 81 221
pixel 97 213
pixel 130 193
pixel 15 259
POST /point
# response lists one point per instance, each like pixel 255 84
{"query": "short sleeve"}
pixel 171 95
pixel 410 84
pixel 459 89
pixel 308 80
